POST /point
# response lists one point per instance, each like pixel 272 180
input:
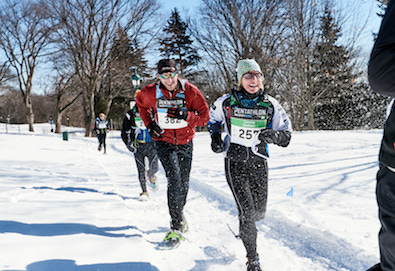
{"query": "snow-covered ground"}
pixel 66 206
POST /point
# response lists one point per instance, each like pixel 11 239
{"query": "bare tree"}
pixel 11 105
pixel 5 74
pixel 67 92
pixel 125 53
pixel 86 29
pixel 228 31
pixel 24 33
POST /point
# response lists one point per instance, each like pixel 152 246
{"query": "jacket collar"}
pixel 170 94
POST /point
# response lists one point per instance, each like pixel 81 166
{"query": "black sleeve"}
pixel 381 68
pixel 128 123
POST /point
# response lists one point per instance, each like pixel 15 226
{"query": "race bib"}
pixel 169 123
pixel 245 131
pixel 102 125
pixel 140 123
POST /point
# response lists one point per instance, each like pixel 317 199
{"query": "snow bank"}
pixel 66 206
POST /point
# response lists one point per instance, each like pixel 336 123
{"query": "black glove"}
pixel 131 147
pixel 281 138
pixel 217 145
pixel 268 136
pixel 154 130
pixel 177 113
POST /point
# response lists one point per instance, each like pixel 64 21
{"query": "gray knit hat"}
pixel 246 65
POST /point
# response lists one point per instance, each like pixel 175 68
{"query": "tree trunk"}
pixel 90 110
pixel 58 114
pixel 310 117
pixel 88 128
pixel 297 115
pixel 30 114
pixel 58 119
pixel 108 104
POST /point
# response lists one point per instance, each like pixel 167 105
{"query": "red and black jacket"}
pixel 194 102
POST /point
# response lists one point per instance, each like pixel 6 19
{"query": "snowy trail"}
pixel 65 206
pixel 331 252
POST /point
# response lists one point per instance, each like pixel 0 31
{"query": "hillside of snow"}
pixel 66 206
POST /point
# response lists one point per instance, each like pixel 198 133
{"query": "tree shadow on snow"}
pixel 69 265
pixel 217 258
pixel 57 229
pixel 321 246
pixel 78 190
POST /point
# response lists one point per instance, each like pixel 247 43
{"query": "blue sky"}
pixel 360 9
pixel 180 4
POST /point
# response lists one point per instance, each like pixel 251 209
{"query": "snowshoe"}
pixel 181 226
pixel 173 239
pixel 253 265
pixel 144 196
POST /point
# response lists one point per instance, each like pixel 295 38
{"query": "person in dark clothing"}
pixel 381 72
pixel 101 127
pixel 137 139
pixel 171 109
pixel 251 119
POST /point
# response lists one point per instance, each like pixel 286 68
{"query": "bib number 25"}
pixel 248 134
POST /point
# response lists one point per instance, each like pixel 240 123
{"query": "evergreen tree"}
pixel 348 102
pixel 177 44
pixel 332 72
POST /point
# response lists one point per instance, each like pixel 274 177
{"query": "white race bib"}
pixel 140 123
pixel 245 131
pixel 102 125
pixel 169 123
